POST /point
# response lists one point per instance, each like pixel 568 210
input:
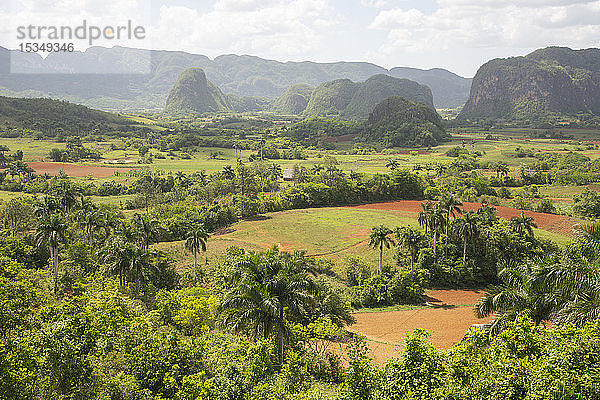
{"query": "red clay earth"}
pixel 548 222
pixel 447 324
pixel 74 170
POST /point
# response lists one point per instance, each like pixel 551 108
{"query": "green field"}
pixel 336 233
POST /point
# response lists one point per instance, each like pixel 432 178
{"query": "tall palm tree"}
pixel 147 228
pixel 438 220
pixel 521 293
pixel 196 240
pixel 52 230
pixel 424 217
pixel 468 228
pixel 117 260
pixel 380 238
pixel 451 206
pixel 275 171
pixel 577 278
pixel 66 195
pixel 268 290
pixel 523 225
pixel 410 239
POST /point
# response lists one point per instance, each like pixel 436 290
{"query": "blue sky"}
pixel 459 35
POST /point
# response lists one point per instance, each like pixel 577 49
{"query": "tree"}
pixel 228 173
pixel 468 228
pixel 424 217
pixel 392 164
pixel 410 239
pixel 522 293
pixel 146 227
pixel 52 230
pixel 195 241
pixel 450 205
pixel 275 171
pixel 379 238
pixel 523 225
pixel 438 220
pixel 268 289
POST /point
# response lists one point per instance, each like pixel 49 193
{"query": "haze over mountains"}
pixel 242 76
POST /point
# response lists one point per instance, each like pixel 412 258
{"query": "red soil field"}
pixel 74 170
pixel 447 324
pixel 548 222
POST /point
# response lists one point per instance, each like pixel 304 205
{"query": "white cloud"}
pixel 491 24
pixel 374 3
pixel 272 28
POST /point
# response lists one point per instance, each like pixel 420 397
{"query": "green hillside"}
pixel 54 117
pixel 193 93
pixel 294 100
pixel 403 123
pixel 331 98
pixel 380 87
pixel 350 100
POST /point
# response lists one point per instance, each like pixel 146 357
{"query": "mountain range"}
pixel 99 76
pixel 193 93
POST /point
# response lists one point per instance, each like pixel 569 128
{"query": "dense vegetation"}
pixel 402 123
pixel 52 118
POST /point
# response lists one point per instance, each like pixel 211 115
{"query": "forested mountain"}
pixel 400 122
pixel 551 81
pixel 294 100
pixel 55 117
pixel 193 93
pixel 98 77
pixel 351 100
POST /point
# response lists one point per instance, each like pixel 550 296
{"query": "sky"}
pixel 459 35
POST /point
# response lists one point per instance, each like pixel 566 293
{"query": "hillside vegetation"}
pixel 194 93
pixel 54 117
pixel 350 100
pixel 403 123
pixel 546 83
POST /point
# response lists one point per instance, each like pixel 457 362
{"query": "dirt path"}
pixel 549 222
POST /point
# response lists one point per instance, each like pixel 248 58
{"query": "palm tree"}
pixel 268 289
pixel 468 228
pixel 117 260
pixel 228 172
pixel 275 171
pixel 195 241
pixel 424 216
pixel 52 230
pixel 522 293
pixel 577 278
pixel 146 227
pixel 438 220
pixel 450 205
pixel 392 164
pixel 379 238
pixel 523 225
pixel 66 195
pixel 410 239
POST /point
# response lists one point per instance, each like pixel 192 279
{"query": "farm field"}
pixel 447 320
pixel 342 232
